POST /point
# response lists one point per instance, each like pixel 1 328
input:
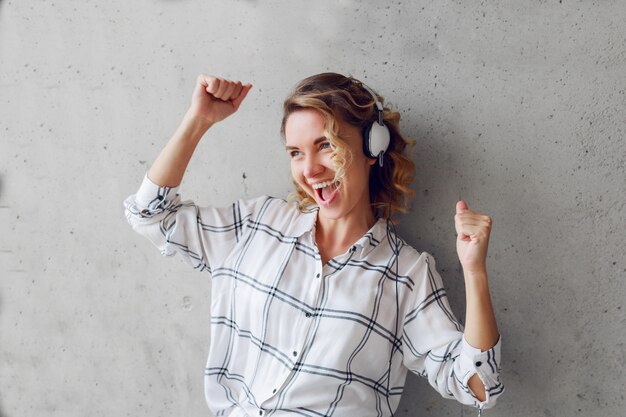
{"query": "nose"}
pixel 312 167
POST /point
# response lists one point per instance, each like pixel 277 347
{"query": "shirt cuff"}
pixel 152 199
pixel 486 365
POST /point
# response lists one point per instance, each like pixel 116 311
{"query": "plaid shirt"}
pixel 290 336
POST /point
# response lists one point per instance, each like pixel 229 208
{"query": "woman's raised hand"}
pixel 214 98
pixel 473 230
pixel 472 242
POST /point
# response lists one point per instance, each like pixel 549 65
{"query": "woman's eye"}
pixel 294 154
pixel 325 145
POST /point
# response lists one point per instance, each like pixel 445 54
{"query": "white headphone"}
pixel 376 135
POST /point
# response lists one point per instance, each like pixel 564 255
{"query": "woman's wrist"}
pixel 195 123
pixel 475 274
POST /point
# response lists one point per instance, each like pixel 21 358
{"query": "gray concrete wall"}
pixel 517 106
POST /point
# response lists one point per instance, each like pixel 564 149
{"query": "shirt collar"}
pixel 372 238
pixel 305 222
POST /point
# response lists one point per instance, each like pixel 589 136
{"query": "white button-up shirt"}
pixel 291 336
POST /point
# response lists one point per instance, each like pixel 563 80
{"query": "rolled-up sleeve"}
pixel 436 349
pixel 151 212
pixel 201 235
pixel 486 365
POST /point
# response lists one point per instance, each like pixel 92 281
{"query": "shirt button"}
pixel 308 315
pixel 479 363
pixel 260 412
pixel 274 391
pixel 295 353
pixel 317 276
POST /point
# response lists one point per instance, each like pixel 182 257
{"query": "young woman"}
pixel 318 308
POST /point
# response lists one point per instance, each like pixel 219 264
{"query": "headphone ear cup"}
pixel 376 139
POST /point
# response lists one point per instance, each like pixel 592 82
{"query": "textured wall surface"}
pixel 516 106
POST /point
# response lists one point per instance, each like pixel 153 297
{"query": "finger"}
pixel 212 85
pixel 465 227
pixel 204 80
pixel 237 87
pixel 201 84
pixel 464 217
pixel 469 228
pixel 461 206
pixel 472 217
pixel 228 91
pixel 221 87
pixel 481 230
pixel 244 92
pixel 477 238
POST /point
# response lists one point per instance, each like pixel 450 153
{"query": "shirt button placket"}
pixel 307 314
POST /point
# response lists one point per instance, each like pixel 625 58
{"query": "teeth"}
pixel 322 184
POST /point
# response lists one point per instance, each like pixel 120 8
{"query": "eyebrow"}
pixel 317 141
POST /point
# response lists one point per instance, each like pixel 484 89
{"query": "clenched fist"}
pixel 473 230
pixel 214 98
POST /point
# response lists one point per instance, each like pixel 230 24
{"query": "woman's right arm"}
pixel 200 234
pixel 213 100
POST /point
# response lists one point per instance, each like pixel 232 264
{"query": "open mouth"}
pixel 326 191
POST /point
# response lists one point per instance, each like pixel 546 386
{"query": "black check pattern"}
pixel 290 336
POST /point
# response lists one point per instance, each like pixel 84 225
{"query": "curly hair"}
pixel 337 97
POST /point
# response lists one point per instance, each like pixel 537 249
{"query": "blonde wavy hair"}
pixel 337 97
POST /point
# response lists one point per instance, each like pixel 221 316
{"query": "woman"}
pixel 318 308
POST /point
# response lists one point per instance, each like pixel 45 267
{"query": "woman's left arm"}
pixel 481 331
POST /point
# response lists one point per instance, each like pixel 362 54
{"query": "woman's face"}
pixel 313 169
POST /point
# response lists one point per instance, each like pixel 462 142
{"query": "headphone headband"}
pixel 379 105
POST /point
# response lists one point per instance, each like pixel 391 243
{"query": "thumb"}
pixel 244 92
pixel 461 206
